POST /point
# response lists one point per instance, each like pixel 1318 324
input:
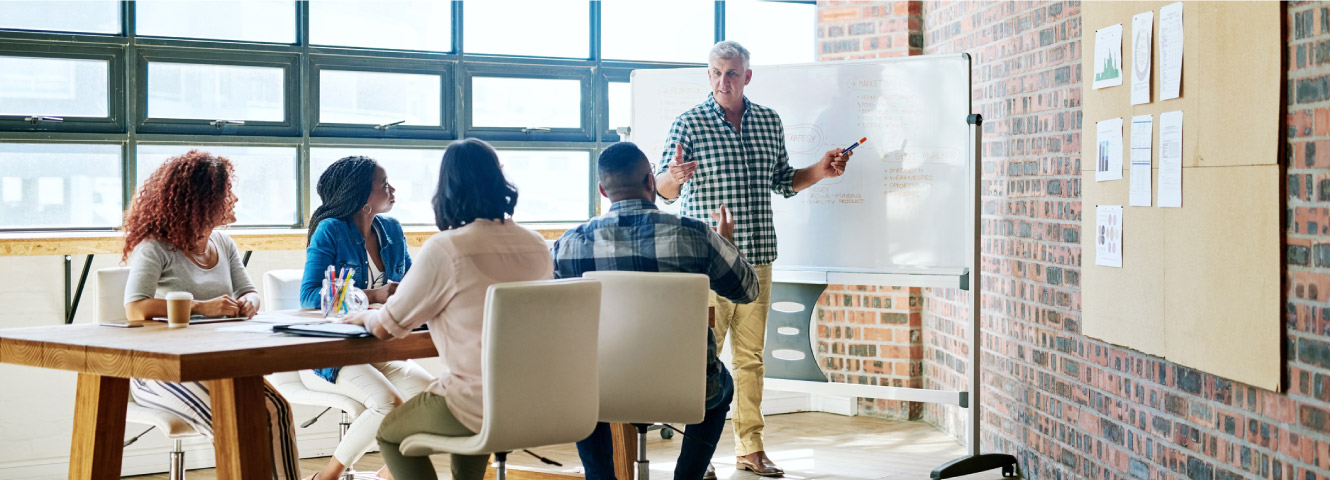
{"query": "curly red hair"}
pixel 181 202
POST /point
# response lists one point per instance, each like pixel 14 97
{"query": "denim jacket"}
pixel 337 242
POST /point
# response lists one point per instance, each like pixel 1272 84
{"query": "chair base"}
pixel 502 472
pixel 176 470
pixel 643 465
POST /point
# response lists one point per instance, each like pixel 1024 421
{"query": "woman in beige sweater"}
pixel 479 245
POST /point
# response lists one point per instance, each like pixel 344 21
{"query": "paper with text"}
pixel 1142 35
pixel 1142 134
pixel 1108 240
pixel 1170 51
pixel 1170 159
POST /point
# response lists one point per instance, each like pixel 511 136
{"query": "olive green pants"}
pixel 426 413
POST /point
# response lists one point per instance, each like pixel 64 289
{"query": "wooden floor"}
pixel 806 445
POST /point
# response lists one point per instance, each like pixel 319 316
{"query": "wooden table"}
pixel 233 364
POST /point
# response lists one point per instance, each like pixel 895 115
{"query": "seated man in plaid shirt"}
pixel 636 227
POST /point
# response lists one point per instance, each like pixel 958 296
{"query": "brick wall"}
pixel 856 29
pixel 872 335
pixel 1067 405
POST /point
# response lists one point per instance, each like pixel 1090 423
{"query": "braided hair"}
pixel 344 187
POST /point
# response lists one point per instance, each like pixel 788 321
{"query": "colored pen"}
pixel 851 147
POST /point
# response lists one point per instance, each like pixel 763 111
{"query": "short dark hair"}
pixel 618 166
pixel 471 186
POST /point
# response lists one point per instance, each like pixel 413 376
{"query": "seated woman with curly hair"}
pixel 171 246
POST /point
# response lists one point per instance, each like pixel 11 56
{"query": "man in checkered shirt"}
pixel 726 157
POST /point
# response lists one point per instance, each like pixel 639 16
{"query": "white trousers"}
pixel 380 387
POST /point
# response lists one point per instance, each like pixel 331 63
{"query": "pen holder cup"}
pixel 337 299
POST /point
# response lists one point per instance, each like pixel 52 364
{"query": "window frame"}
pixel 444 68
pixel 114 122
pixel 291 91
pixel 583 133
pixel 302 63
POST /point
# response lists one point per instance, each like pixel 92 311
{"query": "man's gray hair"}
pixel 728 49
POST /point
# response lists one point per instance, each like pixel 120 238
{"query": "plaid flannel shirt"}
pixel 636 236
pixel 738 169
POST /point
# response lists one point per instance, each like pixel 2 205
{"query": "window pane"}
pixel 265 179
pixel 540 28
pixel 551 185
pixel 100 16
pixel 692 30
pixel 621 99
pixel 215 92
pixel 773 32
pixel 251 20
pixel 414 173
pixel 59 186
pixel 378 98
pixel 54 86
pixel 397 24
pixel 526 102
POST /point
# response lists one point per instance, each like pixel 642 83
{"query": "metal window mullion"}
pixel 130 105
pixel 720 21
pixel 308 110
pixel 599 110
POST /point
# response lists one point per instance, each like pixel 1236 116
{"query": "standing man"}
pixel 730 152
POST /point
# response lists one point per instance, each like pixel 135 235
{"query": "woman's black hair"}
pixel 471 186
pixel 344 187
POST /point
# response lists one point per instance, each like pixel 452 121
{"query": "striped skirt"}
pixel 191 402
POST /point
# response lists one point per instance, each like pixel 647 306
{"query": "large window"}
pixel 265 179
pixel 59 87
pixel 394 24
pixel 87 16
pixel 60 185
pixel 96 94
pixel 250 20
pixel 773 32
pixel 414 173
pixel 210 92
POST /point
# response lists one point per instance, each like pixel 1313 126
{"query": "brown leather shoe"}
pixel 757 462
pixel 711 472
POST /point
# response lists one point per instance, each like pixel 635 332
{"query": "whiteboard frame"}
pixel 966 278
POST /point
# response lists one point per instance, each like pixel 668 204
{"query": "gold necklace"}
pixel 194 257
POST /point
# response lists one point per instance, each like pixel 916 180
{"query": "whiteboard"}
pixel 902 205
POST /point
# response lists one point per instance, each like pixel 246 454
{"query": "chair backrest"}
pixel 653 346
pixel 539 363
pixel 111 294
pixel 281 289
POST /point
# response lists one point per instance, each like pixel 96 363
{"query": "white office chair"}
pixel 538 359
pixel 111 308
pixel 653 347
pixel 281 291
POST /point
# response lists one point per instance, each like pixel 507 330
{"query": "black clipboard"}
pixel 335 330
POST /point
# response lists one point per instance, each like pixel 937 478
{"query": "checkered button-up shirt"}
pixel 738 169
pixel 636 236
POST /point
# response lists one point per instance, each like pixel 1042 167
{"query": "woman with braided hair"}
pixel 348 231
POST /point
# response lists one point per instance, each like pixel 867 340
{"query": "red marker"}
pixel 851 147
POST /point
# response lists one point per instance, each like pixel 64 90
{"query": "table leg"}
pixel 240 429
pixel 99 427
pixel 624 437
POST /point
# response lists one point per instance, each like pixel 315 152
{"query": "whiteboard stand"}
pixel 976 461
pixel 798 379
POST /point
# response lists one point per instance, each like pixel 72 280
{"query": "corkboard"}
pixel 1199 285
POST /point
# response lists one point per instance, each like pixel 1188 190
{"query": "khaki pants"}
pixel 746 324
pixel 425 413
